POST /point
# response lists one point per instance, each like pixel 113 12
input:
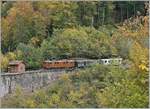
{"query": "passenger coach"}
pixel 58 64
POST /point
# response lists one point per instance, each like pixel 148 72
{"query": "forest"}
pixel 35 31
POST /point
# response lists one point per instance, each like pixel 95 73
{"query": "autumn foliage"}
pixel 43 30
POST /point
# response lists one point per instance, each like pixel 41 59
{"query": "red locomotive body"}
pixel 59 64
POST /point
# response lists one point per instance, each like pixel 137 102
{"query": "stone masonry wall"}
pixel 29 80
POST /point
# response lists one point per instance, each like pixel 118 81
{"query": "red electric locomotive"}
pixel 58 64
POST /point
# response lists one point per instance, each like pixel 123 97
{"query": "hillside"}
pixel 97 86
pixel 52 30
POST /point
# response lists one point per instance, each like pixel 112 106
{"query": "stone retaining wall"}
pixel 29 80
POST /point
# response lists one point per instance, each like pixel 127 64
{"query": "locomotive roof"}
pixel 111 59
pixel 78 58
pixel 82 59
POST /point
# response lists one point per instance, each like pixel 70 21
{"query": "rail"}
pixel 37 71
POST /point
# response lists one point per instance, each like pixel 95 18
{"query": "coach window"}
pixel 119 61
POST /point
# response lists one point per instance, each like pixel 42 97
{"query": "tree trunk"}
pixel 92 21
pixel 121 13
pixel 134 10
pixel 127 12
pixel 103 21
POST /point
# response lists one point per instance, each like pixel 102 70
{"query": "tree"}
pixel 5 59
pixel 20 25
pixel 17 98
pixel 122 44
pixel 30 55
pixel 57 14
pixel 6 39
pixel 127 94
pixel 65 44
pixel 93 87
pixel 4 62
pixel 138 54
pixel 5 7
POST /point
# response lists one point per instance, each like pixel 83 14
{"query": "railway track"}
pixel 40 71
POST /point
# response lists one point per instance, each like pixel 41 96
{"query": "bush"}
pixel 78 42
pixel 124 94
pixel 30 55
pixel 5 59
pixel 97 86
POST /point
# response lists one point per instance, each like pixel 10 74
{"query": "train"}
pixel 19 66
pixel 68 63
pixel 78 63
